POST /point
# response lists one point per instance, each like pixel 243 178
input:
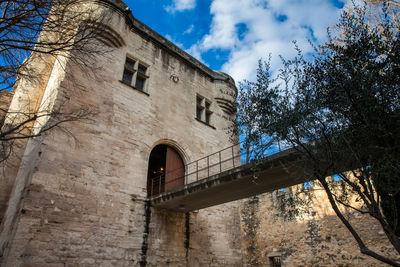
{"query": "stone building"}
pixel 305 234
pixel 82 200
pixel 67 203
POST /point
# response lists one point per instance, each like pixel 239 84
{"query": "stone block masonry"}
pixel 81 201
pixel 313 237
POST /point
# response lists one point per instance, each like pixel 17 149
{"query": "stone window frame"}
pixel 135 70
pixel 275 259
pixel 203 110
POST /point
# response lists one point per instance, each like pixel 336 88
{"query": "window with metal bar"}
pixel 275 261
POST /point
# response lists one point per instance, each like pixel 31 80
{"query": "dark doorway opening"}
pixel 166 170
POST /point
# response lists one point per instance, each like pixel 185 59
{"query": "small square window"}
pixel 142 69
pixel 130 64
pixel 275 261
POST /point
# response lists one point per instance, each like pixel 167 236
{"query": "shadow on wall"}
pixel 314 236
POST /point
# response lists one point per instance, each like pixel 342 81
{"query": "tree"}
pixel 340 112
pixel 35 35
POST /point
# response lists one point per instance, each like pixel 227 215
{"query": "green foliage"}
pixel 254 100
pixel 295 203
pixel 342 112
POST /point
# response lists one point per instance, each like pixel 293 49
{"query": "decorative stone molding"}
pixel 226 93
pixel 106 34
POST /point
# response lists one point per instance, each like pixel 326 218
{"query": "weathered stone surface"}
pixel 83 200
pixel 316 238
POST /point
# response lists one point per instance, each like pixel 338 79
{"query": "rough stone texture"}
pixel 27 97
pixel 317 238
pixel 5 185
pixel 83 201
pixel 5 99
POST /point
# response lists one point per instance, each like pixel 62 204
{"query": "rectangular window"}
pixel 139 83
pixel 208 117
pixel 203 109
pixel 199 107
pixel 142 69
pixel 135 74
pixel 275 261
pixel 130 64
pixel 208 112
pixel 127 77
pixel 128 71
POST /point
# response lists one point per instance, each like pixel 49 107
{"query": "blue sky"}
pixel 231 35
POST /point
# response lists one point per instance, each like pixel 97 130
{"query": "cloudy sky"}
pixel 231 35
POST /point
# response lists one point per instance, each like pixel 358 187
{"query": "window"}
pixel 140 83
pixel 203 109
pixel 275 261
pixel 199 107
pixel 208 112
pixel 128 71
pixel 135 74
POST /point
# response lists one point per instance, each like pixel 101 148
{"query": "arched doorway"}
pixel 166 170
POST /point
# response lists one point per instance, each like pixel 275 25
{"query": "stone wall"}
pixel 79 197
pixel 83 195
pixel 25 101
pixel 313 237
pixel 5 99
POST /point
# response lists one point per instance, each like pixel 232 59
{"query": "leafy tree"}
pixel 340 112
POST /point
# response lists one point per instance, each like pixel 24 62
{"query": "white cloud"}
pixel 189 30
pixel 195 51
pixel 169 37
pixel 264 33
pixel 181 5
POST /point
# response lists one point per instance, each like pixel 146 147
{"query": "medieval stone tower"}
pixel 83 202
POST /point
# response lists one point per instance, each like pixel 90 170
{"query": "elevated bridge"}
pixel 221 177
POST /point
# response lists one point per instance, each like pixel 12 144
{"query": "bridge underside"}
pixel 281 170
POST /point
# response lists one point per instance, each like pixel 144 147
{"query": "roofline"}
pixel 143 29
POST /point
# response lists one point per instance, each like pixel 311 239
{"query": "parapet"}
pixel 146 31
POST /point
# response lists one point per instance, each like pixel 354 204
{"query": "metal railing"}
pixel 213 164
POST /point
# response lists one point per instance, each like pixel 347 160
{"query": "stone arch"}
pixel 166 167
pixel 178 146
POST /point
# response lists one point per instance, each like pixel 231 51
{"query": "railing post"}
pixel 197 170
pixel 152 187
pixel 186 174
pixel 220 163
pixel 159 184
pixel 208 166
pixel 233 157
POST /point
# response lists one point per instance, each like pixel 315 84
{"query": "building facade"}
pixel 78 196
pixel 287 229
pixel 81 200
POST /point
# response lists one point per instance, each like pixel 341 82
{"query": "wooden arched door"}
pixel 174 170
pixel 166 170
